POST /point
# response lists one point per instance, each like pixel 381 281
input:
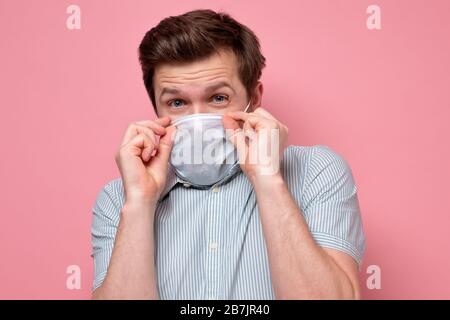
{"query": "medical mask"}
pixel 202 155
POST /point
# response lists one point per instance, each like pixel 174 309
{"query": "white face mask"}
pixel 202 155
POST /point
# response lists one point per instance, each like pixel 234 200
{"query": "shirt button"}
pixel 213 246
pixel 215 189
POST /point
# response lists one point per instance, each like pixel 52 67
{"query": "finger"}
pixel 135 129
pixel 258 122
pixel 141 145
pixel 164 148
pixel 254 122
pixel 153 125
pixel 162 122
pixel 238 115
pixel 230 123
pixel 237 138
pixel 252 118
pixel 248 130
pixel 264 113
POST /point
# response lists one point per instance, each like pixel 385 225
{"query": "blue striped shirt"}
pixel 209 243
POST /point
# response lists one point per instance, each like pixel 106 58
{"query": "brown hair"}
pixel 198 34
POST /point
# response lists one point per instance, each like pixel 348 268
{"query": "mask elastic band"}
pixel 246 108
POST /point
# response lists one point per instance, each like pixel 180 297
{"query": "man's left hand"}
pixel 260 140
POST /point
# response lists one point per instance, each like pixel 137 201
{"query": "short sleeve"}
pixel 330 203
pixel 105 220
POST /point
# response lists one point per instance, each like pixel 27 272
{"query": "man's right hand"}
pixel 143 159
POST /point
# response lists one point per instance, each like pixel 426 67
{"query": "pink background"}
pixel 380 98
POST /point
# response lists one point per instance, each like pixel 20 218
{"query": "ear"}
pixel 257 96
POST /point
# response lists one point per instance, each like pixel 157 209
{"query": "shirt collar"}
pixel 172 180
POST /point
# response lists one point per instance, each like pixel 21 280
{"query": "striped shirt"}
pixel 209 242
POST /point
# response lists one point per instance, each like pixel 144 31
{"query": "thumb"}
pixel 229 123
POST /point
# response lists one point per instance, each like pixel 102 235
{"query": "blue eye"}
pixel 177 103
pixel 221 98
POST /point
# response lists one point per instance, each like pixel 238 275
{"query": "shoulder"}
pixel 306 160
pixel 110 196
pixel 306 166
pixel 312 154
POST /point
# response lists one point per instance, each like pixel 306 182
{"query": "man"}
pixel 293 234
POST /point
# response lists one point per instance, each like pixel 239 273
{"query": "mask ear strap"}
pixel 248 106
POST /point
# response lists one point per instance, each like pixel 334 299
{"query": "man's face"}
pixel 210 85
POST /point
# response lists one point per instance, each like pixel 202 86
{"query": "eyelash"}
pixel 216 95
pixel 170 102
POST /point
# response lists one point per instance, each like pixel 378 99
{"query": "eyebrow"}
pixel 210 88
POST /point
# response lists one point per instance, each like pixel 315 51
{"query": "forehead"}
pixel 220 66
